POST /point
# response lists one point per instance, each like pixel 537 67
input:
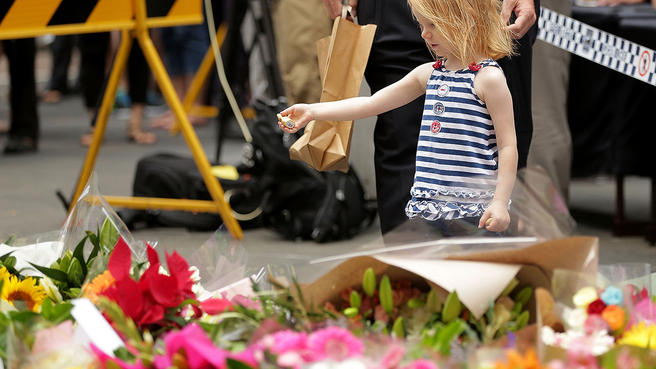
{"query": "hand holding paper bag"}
pixel 343 56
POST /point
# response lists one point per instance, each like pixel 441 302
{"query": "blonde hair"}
pixel 470 28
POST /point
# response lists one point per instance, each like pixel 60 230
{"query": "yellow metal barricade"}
pixel 30 18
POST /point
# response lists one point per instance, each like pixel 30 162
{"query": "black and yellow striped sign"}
pixel 29 18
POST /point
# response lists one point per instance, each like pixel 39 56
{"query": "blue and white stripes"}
pixel 457 154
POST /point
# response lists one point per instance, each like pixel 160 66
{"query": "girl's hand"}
pixel 299 113
pixel 495 218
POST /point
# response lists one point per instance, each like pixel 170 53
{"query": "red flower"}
pixel 216 306
pixel 146 300
pixel 596 307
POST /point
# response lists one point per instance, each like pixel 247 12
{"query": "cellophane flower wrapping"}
pixel 37 343
pixel 88 215
pixel 596 313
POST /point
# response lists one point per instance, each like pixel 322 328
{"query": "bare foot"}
pixel 164 121
pixel 137 135
pixel 51 97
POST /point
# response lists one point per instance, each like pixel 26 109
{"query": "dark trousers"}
pixel 94 49
pixel 397 49
pixel 61 50
pixel 24 116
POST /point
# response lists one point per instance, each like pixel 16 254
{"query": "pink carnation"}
pixel 422 364
pixel 393 357
pixel 334 343
pixel 288 340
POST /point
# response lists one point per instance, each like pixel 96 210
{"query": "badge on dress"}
pixel 442 90
pixel 436 127
pixel 438 108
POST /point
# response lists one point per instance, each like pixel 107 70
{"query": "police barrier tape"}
pixel 598 46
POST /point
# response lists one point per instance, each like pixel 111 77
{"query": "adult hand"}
pixel 525 11
pixel 334 8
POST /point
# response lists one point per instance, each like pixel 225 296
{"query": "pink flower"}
pixel 198 348
pixel 393 357
pixel 624 360
pixel 334 343
pixel 104 359
pixel 422 364
pixel 53 338
pixel 645 310
pixel 579 356
pixel 595 323
pixel 285 341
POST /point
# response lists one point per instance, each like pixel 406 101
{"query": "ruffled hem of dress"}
pixel 462 194
pixel 432 210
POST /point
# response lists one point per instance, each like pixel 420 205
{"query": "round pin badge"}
pixel 436 127
pixel 438 108
pixel 442 90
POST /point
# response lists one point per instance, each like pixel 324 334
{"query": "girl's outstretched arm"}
pixel 391 97
pixel 491 87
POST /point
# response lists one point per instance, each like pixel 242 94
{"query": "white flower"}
pixel 51 289
pixel 599 342
pixel 575 318
pixel 548 336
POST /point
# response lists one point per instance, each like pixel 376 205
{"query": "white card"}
pixel 94 327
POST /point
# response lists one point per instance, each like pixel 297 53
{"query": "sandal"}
pixel 137 135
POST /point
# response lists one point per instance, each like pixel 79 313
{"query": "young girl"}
pixel 467 151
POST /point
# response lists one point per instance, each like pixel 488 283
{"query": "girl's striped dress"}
pixel 457 158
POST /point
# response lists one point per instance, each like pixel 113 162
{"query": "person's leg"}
pixel 518 71
pixel 138 73
pixel 61 49
pixel 93 63
pixel 24 131
pixel 397 49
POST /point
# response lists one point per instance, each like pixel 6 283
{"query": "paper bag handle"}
pixel 346 11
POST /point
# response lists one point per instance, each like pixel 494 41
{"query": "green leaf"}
pixel 65 261
pixel 399 328
pixel 522 320
pixel 433 303
pixel 385 295
pixel 416 303
pixel 355 300
pixel 369 282
pixel 444 338
pixel 5 256
pixel 511 286
pixel 351 312
pixel 108 235
pixel 234 364
pixel 75 276
pixel 79 255
pixel 10 262
pixel 54 274
pixel 10 239
pixel 524 295
pixel 452 308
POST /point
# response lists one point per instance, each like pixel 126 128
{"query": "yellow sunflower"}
pixel 641 335
pixel 4 273
pixel 26 290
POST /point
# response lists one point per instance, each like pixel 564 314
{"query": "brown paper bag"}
pixel 325 145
